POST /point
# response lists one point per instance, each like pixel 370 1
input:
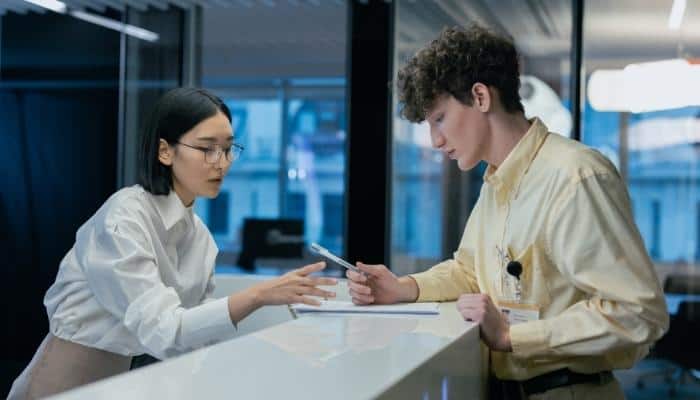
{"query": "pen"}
pixel 315 247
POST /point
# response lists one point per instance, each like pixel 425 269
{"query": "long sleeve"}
pixel 594 243
pixel 122 273
pixel 209 291
pixel 451 278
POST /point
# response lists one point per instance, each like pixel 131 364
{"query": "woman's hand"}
pixel 294 287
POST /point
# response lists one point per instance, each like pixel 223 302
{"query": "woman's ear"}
pixel 165 155
pixel 482 97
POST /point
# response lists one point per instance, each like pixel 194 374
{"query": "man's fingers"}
pixel 361 298
pixel 372 270
pixel 355 277
pixel 360 288
pixel 360 302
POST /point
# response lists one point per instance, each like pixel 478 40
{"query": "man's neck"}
pixel 506 131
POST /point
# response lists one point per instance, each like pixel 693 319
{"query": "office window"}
pixel 440 196
pixel 655 229
pixel 218 213
pixel 280 66
pixel 648 127
pixel 296 205
pixel 697 231
pixel 333 226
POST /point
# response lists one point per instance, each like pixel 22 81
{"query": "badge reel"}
pixel 512 305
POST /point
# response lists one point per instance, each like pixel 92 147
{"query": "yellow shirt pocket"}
pixel 532 285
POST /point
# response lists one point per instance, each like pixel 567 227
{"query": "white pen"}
pixel 316 248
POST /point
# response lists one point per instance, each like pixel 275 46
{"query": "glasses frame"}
pixel 234 151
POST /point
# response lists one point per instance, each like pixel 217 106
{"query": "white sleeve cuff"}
pixel 207 323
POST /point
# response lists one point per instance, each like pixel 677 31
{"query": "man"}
pixel 551 264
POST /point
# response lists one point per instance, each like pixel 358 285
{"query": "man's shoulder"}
pixel 572 160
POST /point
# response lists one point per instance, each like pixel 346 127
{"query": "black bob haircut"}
pixel 178 111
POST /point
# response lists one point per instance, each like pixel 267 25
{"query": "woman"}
pixel 139 279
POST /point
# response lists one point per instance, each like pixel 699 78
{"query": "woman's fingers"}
pixel 314 291
pixel 323 281
pixel 311 268
pixel 306 300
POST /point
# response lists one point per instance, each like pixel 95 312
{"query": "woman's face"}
pixel 193 174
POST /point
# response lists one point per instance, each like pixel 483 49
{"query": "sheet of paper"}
pixel 335 306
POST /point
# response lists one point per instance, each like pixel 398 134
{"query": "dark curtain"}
pixel 58 148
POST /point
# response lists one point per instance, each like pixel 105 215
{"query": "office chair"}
pixel 682 284
pixel 680 345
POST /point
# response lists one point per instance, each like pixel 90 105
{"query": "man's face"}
pixel 458 130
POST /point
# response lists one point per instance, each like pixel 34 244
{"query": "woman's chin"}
pixel 211 192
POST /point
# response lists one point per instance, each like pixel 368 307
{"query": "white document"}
pixel 334 306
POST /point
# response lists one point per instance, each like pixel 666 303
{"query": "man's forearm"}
pixel 409 289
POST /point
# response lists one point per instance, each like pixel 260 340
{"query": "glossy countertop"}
pixel 318 356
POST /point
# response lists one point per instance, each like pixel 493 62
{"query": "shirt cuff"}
pixel 207 323
pixel 428 287
pixel 529 339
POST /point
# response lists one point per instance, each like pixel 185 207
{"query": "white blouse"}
pixel 139 279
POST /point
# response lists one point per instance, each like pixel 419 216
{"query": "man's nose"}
pixel 436 138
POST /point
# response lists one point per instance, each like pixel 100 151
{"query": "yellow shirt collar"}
pixel 505 178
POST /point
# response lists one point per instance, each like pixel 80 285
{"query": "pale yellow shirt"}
pixel 562 211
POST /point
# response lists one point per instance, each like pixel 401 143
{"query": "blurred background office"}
pixel 327 159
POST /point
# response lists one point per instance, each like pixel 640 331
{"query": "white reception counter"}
pixel 319 356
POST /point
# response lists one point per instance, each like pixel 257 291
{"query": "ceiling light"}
pixel 53 5
pixel 644 87
pixel 676 16
pixel 131 30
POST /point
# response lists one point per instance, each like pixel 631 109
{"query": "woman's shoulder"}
pixel 129 204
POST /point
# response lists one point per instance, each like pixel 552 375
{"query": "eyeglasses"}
pixel 212 154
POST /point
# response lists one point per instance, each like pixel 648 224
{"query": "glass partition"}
pixel 281 69
pixel 642 110
pixel 432 199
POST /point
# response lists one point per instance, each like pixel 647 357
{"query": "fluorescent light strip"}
pixel 53 5
pixel 636 88
pixel 131 30
pixel 676 16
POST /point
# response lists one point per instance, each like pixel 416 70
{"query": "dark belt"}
pixel 563 377
pixel 517 390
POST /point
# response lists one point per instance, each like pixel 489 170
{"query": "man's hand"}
pixel 493 326
pixel 378 285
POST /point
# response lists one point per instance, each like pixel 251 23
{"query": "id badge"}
pixel 517 313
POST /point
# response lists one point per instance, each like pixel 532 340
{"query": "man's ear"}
pixel 165 153
pixel 482 97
